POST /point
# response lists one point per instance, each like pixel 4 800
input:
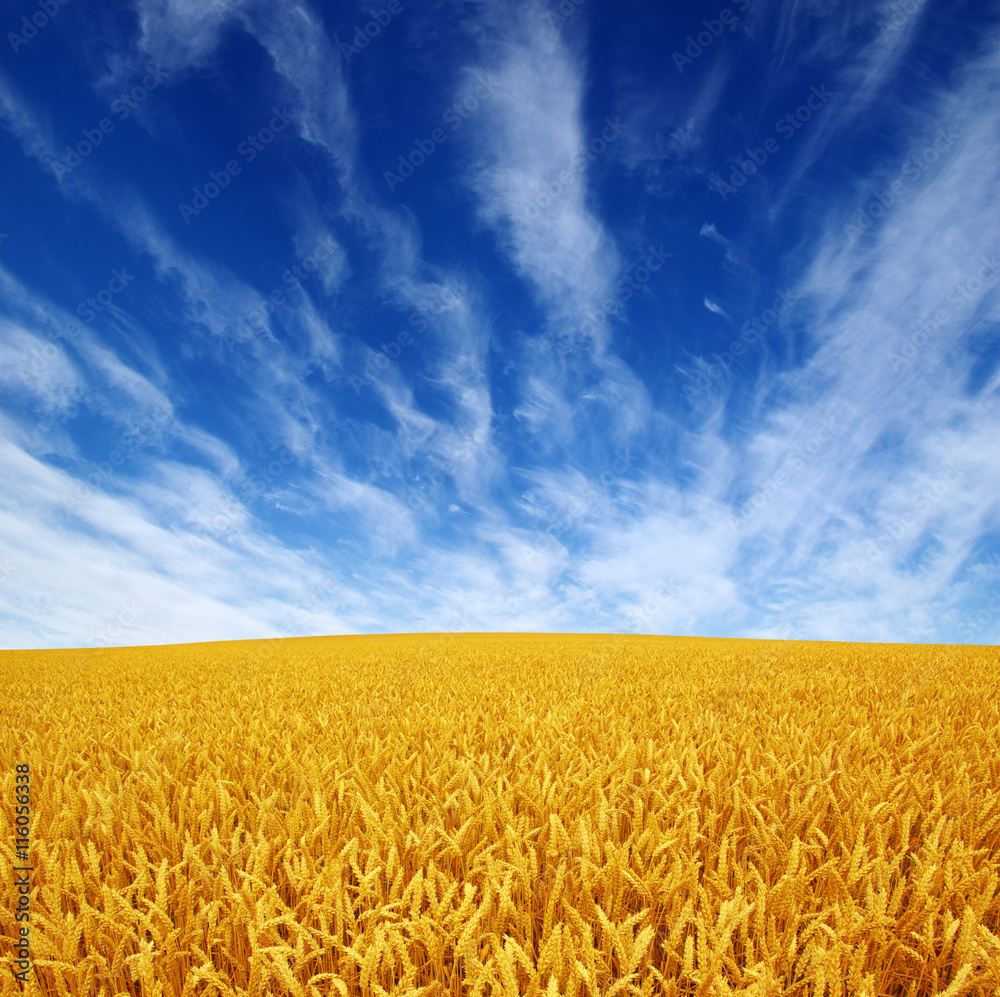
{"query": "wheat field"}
pixel 505 814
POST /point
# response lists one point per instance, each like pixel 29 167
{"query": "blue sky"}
pixel 325 318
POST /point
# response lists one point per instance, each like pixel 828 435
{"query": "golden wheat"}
pixel 506 814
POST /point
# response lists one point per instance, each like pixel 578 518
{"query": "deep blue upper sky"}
pixel 339 318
